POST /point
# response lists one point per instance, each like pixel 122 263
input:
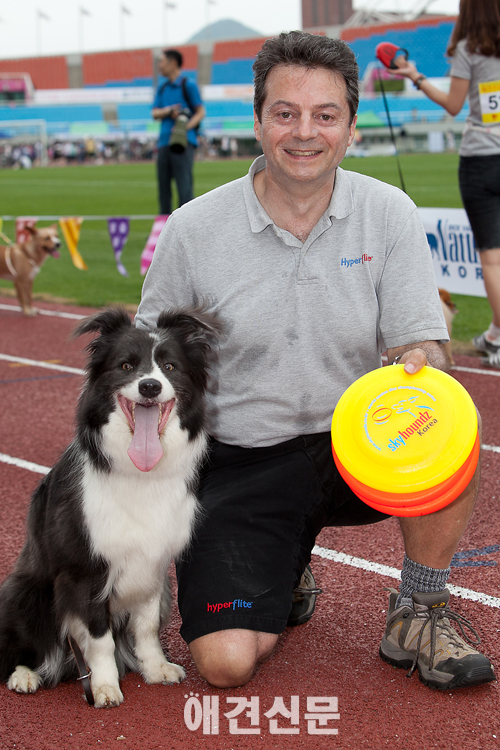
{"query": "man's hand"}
pixel 416 356
pixel 413 360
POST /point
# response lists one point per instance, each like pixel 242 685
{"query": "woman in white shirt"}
pixel 475 72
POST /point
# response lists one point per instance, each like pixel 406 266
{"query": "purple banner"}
pixel 118 228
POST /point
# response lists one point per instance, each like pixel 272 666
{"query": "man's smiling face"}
pixel 304 128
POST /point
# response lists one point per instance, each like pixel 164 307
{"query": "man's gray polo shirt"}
pixel 303 320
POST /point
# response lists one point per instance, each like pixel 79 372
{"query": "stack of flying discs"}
pixel 407 445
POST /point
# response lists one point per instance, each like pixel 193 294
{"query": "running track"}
pixel 333 656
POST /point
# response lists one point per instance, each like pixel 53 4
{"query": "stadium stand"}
pixel 127 68
pixel 130 67
pixel 45 72
pixel 405 110
pixel 61 113
pixel 232 61
pixel 227 63
pixel 426 40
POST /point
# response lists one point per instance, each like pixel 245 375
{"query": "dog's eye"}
pixel 168 366
pixel 127 366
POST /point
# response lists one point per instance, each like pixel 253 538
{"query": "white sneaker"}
pixel 483 345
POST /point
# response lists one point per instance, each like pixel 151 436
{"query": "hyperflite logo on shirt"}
pixel 350 262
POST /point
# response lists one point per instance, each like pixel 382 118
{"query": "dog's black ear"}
pixel 195 324
pixel 104 322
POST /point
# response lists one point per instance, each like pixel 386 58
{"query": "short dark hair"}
pixel 309 51
pixel 174 54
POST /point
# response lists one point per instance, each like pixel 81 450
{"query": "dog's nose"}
pixel 150 388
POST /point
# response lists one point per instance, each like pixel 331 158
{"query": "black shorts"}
pixel 262 510
pixel 479 178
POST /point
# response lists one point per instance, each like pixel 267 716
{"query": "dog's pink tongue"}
pixel 145 449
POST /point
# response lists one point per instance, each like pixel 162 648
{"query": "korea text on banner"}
pixel 457 266
pixel 147 253
pixel 71 231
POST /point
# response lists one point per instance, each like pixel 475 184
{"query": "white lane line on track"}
pixel 74 316
pixel 493 448
pixel 76 371
pixel 53 313
pixel 22 464
pixel 38 363
pixel 477 371
pixel 328 554
pixel 385 570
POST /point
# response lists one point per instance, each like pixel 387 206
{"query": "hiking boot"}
pixel 422 637
pixel 304 599
pixel 483 345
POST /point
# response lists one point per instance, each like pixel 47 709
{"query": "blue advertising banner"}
pixel 456 262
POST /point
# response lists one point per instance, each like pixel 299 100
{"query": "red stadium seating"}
pixel 235 50
pixel 359 32
pixel 45 72
pixel 99 68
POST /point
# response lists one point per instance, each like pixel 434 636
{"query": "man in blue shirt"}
pixel 173 96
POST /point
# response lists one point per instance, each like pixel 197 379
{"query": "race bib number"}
pixel 489 97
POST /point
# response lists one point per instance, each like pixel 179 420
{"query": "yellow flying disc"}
pixel 404 434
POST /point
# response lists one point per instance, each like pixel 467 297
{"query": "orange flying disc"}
pixel 406 443
pixel 418 503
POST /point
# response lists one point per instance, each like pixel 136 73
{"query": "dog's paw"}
pixel 165 673
pixel 107 696
pixel 24 680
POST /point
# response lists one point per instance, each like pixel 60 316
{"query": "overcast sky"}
pixel 48 27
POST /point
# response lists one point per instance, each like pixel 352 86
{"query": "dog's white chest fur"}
pixel 138 521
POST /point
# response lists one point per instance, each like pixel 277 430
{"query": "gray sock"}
pixel 417 577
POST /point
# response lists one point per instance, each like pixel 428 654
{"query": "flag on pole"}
pixel 22 224
pixel 118 228
pixel 84 11
pixel 147 253
pixel 43 15
pixel 126 11
pixel 4 236
pixel 71 231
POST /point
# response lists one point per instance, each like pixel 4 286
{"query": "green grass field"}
pixel 124 190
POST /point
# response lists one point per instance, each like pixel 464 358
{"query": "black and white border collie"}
pixel 117 507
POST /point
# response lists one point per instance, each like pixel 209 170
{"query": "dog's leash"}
pixel 85 672
pixel 8 262
pixel 393 139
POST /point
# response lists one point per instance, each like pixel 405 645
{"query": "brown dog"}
pixel 449 310
pixel 21 263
